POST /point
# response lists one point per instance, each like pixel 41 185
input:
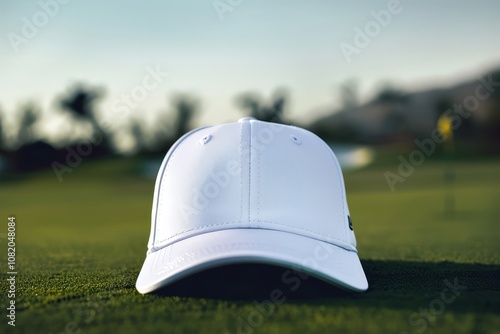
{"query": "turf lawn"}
pixel 81 244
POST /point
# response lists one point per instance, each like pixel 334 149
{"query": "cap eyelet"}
pixel 296 140
pixel 205 139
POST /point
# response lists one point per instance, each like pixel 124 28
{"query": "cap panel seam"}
pixel 162 184
pixel 169 158
pixel 342 187
pixel 339 176
pixel 342 194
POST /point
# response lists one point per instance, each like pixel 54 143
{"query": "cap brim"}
pixel 323 260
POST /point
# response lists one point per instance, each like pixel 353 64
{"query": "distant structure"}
pixel 401 116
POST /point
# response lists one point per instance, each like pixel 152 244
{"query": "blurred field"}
pixel 81 244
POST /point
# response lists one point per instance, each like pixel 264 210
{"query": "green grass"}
pixel 81 244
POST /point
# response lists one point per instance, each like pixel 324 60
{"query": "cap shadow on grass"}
pixel 257 281
pixel 250 281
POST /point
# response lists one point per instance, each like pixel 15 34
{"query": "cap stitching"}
pixel 263 221
pixel 342 186
pixel 190 256
pixel 340 178
pixel 169 163
pixel 343 195
pixel 175 147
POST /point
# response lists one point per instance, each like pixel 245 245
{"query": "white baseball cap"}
pixel 251 192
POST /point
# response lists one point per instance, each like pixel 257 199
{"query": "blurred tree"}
pixel 161 138
pixel 185 107
pixel 349 94
pixel 80 103
pixel 388 93
pixel 139 133
pixel 2 136
pixel 494 117
pixel 276 112
pixel 29 152
pixel 28 117
pixel 170 126
pixel 271 112
pixel 251 102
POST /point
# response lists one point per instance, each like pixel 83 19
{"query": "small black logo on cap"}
pixel 350 223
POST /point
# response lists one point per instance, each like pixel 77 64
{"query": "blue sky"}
pixel 259 46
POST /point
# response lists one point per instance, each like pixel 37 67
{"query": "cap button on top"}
pixel 246 119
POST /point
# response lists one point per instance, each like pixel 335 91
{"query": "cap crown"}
pixel 250 174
